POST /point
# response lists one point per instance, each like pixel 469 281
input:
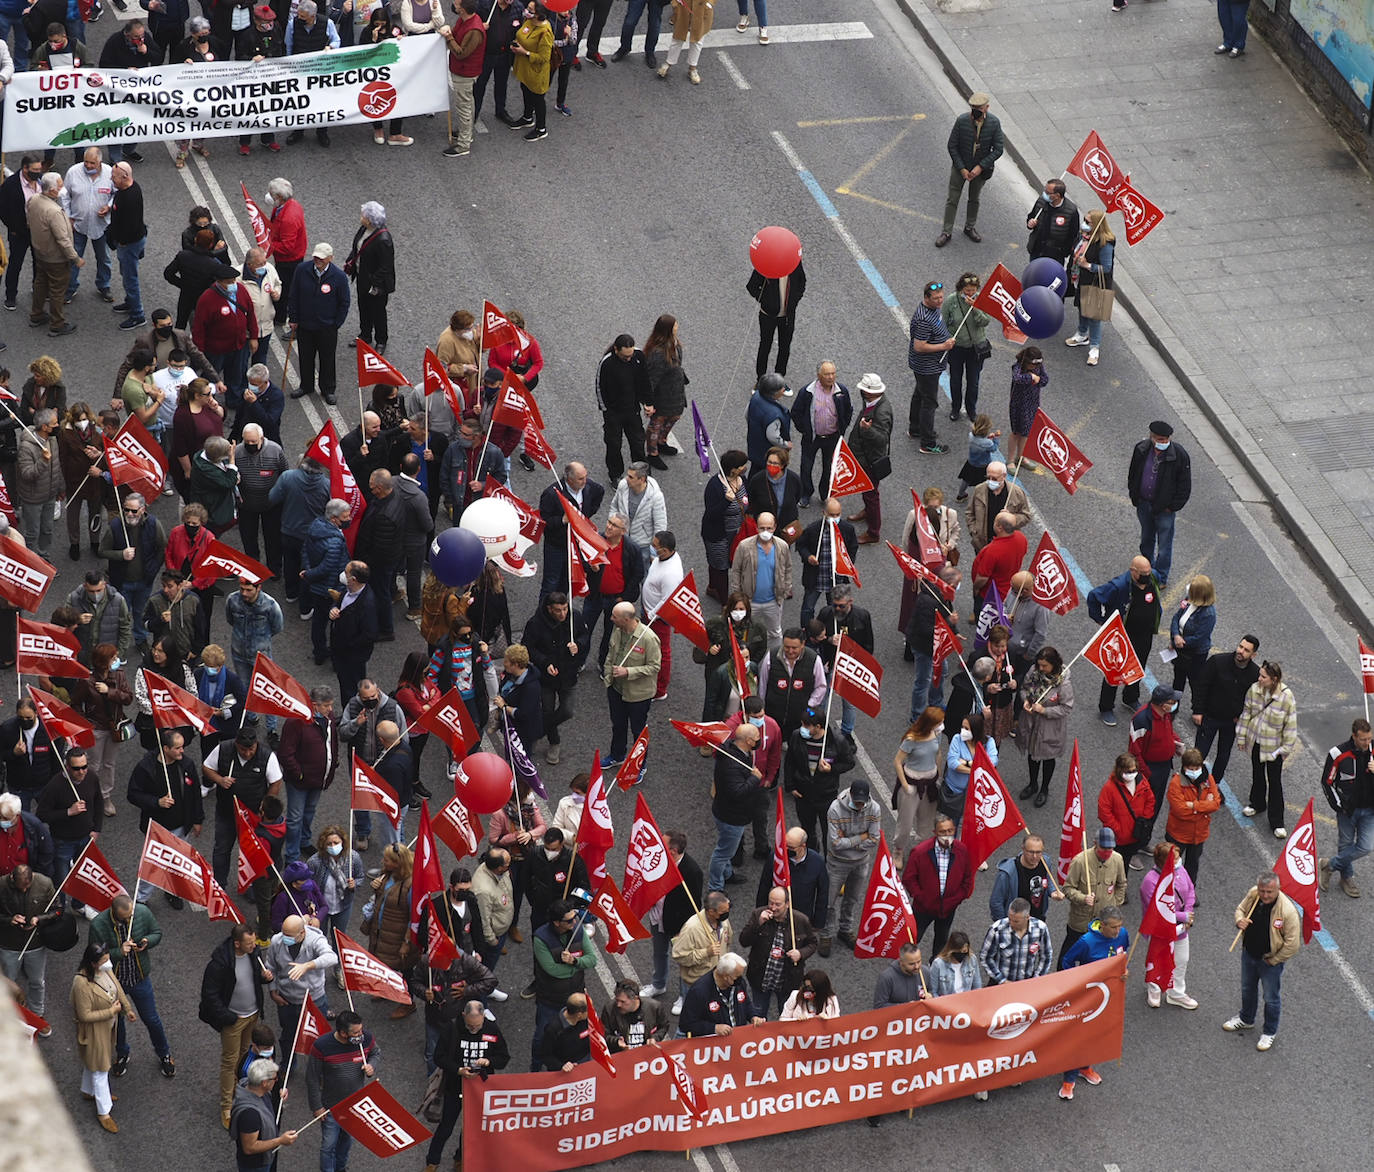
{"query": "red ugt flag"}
pixel 172 864
pixel 990 816
pixel 627 776
pixel 738 663
pixel 373 1117
pixel 858 677
pixel 782 861
pixel 427 879
pixel 61 721
pixel 846 477
pixel 375 370
pixel 262 234
pixel 1054 587
pixel 682 611
pixel 844 564
pixel 931 552
pixel 1159 921
pixel 1000 297
pixel 699 733
pixel 1093 163
pixel 459 828
pixel 273 692
pixel 650 869
pixel 364 973
pixel 175 707
pixel 1110 651
pixel 92 880
pixel 1367 667
pixel 622 925
pixel 24 576
pixel 1297 871
pixel 48 650
pixel 1071 830
pixel 916 572
pixel 1052 448
pixel 1141 216
pixel 595 834
pixel 886 923
pixel 254 858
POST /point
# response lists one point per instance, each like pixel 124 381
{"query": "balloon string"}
pixel 734 372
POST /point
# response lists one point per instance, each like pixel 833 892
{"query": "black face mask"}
pixel 192 531
pixel 27 722
pixel 977 115
pixel 255 448
pixel 370 703
pixel 163 331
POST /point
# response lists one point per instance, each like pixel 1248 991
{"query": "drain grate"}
pixel 1337 444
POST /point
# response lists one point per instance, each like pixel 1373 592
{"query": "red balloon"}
pixel 484 782
pixel 775 252
pixel 560 6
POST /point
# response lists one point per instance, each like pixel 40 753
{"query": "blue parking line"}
pixel 866 266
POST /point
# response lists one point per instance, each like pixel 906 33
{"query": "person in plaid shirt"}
pixel 1017 947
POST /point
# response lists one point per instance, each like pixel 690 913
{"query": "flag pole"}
pixel 286 361
pixel 347 992
pixel 26 427
pixel 573 861
pixel 1248 913
pixel 829 705
pixel 945 356
pixel 48 907
pixel 295 1041
pixel 1077 657
pixel 314 1119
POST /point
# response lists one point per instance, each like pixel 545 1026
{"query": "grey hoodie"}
pixel 279 961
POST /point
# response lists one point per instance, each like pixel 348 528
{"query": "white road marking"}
pixel 727 63
pixel 778 34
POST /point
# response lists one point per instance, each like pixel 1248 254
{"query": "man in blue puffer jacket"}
pixel 323 559
pixel 301 494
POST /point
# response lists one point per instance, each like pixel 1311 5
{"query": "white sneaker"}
pixel 1182 1000
pixel 487 1013
pixel 1092 356
pixel 650 991
pixel 1248 811
pixel 1076 340
pixel 1265 1041
pixel 1152 995
pixel 981 1096
pixel 499 995
pixel 743 24
pixel 1236 1024
pixel 677 1007
pixel 662 71
pixel 1280 832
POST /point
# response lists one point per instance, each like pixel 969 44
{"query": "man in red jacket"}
pixel 938 877
pixel 225 327
pixel 309 754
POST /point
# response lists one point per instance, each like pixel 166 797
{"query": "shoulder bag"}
pixel 1096 300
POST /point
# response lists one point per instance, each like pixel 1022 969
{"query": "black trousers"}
pixel 269 520
pixel 810 815
pixel 596 12
pixel 557 703
pixel 942 926
pixel 823 446
pixel 783 327
pixel 372 318
pixel 614 426
pixel 286 269
pixel 498 69
pixel 317 345
pixel 19 248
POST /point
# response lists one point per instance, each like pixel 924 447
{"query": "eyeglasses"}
pixel 935 286
pixel 78 768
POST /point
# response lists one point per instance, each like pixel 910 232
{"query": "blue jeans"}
pixel 21 40
pixel 128 256
pixel 300 816
pixel 728 839
pixel 1231 17
pixel 760 10
pixel 1253 974
pixel 102 261
pixel 362 823
pixel 1156 539
pixel 847 711
pixel 544 1016
pixel 64 852
pixel 335 1144
pixel 1355 833
pixel 923 692
pixel 136 595
pixel 632 14
pixel 141 995
pixel 1092 327
pixel 659 978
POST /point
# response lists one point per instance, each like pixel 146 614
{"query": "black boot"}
pixel 1027 792
pixel 1043 796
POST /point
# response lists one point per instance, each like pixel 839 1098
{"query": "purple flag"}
pixel 520 761
pixel 702 439
pixel 991 614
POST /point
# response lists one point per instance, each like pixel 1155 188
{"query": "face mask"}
pixel 266 1053
pixel 107 965
pixel 739 615
pixel 372 703
pixel 212 672
pixel 1171 708
pixel 1192 774
pixel 7 825
pixel 261 272
pixel 192 530
pixel 254 448
pixel 805 733
pixel 116 664
pixel 808 995
pixel 468 334
pixel 977 115
pixel 1129 776
pixel 28 721
pixel 757 722
pixel 765 535
pixel 343 578
pixel 965 734
pixel 551 855
pixel 945 840
pixel 1164 447
pixel 335 849
pixel 994 486
pixel 163 331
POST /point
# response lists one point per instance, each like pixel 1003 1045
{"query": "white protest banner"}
pixel 213 99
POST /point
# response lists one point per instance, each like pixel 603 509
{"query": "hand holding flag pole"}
pixel 1241 931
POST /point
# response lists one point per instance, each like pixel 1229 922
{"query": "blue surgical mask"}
pixel 1164 447
pixel 7 825
pixel 756 721
pixel 805 733
pixel 261 271
pixel 335 848
pixel 116 664
pixel 212 672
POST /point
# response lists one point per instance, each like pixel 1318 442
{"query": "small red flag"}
pixel 172 864
pixel 497 329
pixel 515 404
pixel 1093 163
pixel 1054 587
pixel 1366 666
pixel 688 1093
pixel 782 860
pixel 33 1025
pixel 136 459
pixel 426 878
pixel 886 922
pixel 449 719
pixel 990 816
pixel 1110 651
pixel 175 707
pixel 1297 871
pixel 47 650
pixel 682 611
pixel 596 1036
pixel 699 732
pixel 24 576
pixel 440 951
pixel 1053 449
pixel 324 449
pixel 437 379
pixel 595 834
pixel 916 572
pixel 313 1024
pixel 373 1117
pixel 459 828
pixel 273 692
pixel 375 370
pixel 1071 829
pixel 1159 921
pixel 1142 217
pixel 7 505
pixel 858 677
pixel 59 721
pixel 738 663
pixel 580 529
pixel 622 925
pixel 538 448
pixel 627 776
pixel 650 869
pixel 218 560
pixel 254 858
pixel 846 476
pixel 364 973
pixel 844 564
pixel 92 880
pixel 371 793
pixel 262 234
pixel 531 523
pixel 999 297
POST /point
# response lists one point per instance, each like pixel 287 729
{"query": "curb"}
pixel 1302 525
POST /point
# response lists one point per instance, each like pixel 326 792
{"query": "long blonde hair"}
pixel 1101 227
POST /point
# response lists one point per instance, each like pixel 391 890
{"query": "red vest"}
pixel 471 65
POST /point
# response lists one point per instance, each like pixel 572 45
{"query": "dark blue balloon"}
pixel 1039 313
pixel 1047 272
pixel 457 557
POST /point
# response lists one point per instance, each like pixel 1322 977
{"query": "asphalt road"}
pixel 645 201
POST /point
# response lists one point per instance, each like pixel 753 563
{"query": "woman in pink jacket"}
pixel 1185 901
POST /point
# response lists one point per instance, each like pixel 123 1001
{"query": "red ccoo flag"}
pixel 596 1036
pixel 538 448
pixel 324 449
pixel 254 858
pixel 262 234
pixel 627 776
pixel 1054 587
pixel 1071 829
pixel 364 973
pixel 844 564
pixel 371 793
pixel 273 692
pixel 374 370
pixel 59 721
pixel 688 1093
pixel 437 379
pixel 175 707
pixel 24 576
pixel 858 677
pixel 1366 667
pixel 426 879
pixel 218 560
pixel 1110 651
pixel 886 922
pixel 1053 449
pixel 1296 868
pixel 622 926
pixel 782 860
pixel 592 545
pixel 681 610
pixel 459 829
pixel 172 864
pixel 313 1024
pixel 515 405
pixel 44 649
pixel 650 869
pixel 700 733
pixel 531 523
pixel 846 476
pixel 92 880
pixel 737 661
pixel 135 458
pixel 449 719
pixel 990 816
pixel 916 572
pixel 595 834
pixel 218 905
pixel 373 1117
pixel 497 329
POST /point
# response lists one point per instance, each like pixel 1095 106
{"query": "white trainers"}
pixel 1248 811
pixel 743 24
pixel 1076 340
pixel 650 991
pixel 981 1096
pixel 1152 995
pixel 1092 356
pixel 1265 1041
pixel 1182 1000
pixel 693 76
pixel 499 995
pixel 677 1007
pixel 1236 1024
pixel 662 71
pixel 1280 832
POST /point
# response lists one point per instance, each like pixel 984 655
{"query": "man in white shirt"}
pixel 87 195
pixel 661 578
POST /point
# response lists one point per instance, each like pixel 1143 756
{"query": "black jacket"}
pixel 547 643
pixel 374 267
pixel 706 1006
pixel 1175 483
pixel 24 774
pixel 621 387
pixel 632 565
pixel 217 985
pixel 564 1042
pixel 466 979
pixel 147 784
pixel 56 799
pixel 1346 781
pixel 759 937
pixel 459 1048
pixel 1220 687
pixel 527 699
pixel 817 789
pixel 13 205
pixel 1056 229
pixel 192 271
pixel 767 291
pixel 677 904
pixel 920 631
pixel 763 497
pixel 354 632
pixel 546 880
pixel 381 533
pixel 810 886
pixel 801 411
pixel 363 466
pixel 970 145
pixel 809 546
pixel 735 786
pixel 857 624
pixel 556 524
pixel 465 931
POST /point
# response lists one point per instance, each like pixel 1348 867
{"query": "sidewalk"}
pixel 1255 288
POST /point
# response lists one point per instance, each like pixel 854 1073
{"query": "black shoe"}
pixel 536 134
pixel 454 152
pixel 11 304
pixel 875 1121
pixel 935 449
pixel 668 450
pixel 525 120
pixel 620 54
pixel 651 60
pixel 120 307
pixel 74 551
pixel 1028 792
pixel 845 938
pixel 296 136
pixel 526 463
pixel 132 157
pixel 299 394
pixel 330 400
pixel 63 330
pixel 658 462
pixel 40 320
pixel 353 342
pixel 169 1067
pixel 1041 798
pixel 954 416
pixel 121 1065
pixel 104 295
pixel 176 902
pixel 972 234
pixel 133 323
pixel 527 993
pixel 421 790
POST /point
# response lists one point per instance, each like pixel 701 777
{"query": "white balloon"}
pixel 495 522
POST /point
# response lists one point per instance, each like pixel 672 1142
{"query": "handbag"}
pixel 59 935
pixel 982 350
pixel 124 731
pixel 881 469
pixel 1096 301
pixel 431 1108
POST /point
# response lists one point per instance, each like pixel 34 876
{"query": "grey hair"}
pixel 1112 913
pixel 307 8
pixel 135 496
pixel 248 256
pixel 44 416
pixel 841 591
pixel 257 370
pixel 826 362
pixel 374 213
pixel 198 24
pixel 714 899
pixel 983 668
pixel 261 1071
pixel 51 181
pixel 639 468
pixel 1266 877
pixel 252 431
pixel 217 448
pixel 10 805
pixel 1019 907
pixel 910 948
pixel 335 508
pixel 620 518
pixel 280 188
pixel 731 963
pixel 321 693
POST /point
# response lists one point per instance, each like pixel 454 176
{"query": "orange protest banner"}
pixel 788 1076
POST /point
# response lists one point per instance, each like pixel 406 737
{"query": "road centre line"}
pixel 778 34
pixel 727 63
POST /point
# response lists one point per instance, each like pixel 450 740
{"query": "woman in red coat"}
pixel 1125 803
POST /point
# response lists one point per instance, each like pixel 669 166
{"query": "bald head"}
pixel 380 483
pixel 388 732
pixel 294 927
pixel 1003 524
pixel 1022 581
pixel 1140 568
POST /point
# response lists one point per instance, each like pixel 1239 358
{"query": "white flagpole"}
pixel 830 701
pixel 295 1042
pixel 1080 654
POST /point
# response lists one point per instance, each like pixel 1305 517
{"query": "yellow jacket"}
pixel 536 38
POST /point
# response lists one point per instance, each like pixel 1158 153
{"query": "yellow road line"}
pixel 862 121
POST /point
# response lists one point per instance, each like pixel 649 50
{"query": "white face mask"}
pixel 1192 774
pixel 945 840
pixel 765 535
pixel 551 855
pixel 738 615
pixel 994 486
pixel 1129 776
pixel 965 734
pixel 107 965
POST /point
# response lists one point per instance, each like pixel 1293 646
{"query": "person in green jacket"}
pixel 130 931
pixel 563 952
pixel 969 329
